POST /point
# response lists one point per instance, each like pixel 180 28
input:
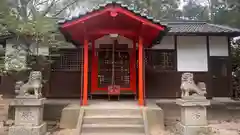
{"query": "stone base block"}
pixel 28 130
pixel 154 119
pixel 192 130
pixel 69 116
pixel 27 102
pixel 193 102
pixel 28 97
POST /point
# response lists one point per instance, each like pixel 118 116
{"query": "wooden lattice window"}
pixel 162 60
pixel 67 60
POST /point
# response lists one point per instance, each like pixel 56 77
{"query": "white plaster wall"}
pixel 192 53
pixel 166 43
pixel 218 46
pixel 108 40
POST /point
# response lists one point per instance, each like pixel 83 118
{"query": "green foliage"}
pixel 226 12
pixel 36 29
pixel 235 57
pixel 194 11
pixel 29 27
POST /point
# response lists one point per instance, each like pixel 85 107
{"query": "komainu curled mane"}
pixel 32 88
pixel 189 88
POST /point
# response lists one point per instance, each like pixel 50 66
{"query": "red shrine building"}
pixel 115 34
pixel 120 52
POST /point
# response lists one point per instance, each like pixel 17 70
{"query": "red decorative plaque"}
pixel 114 90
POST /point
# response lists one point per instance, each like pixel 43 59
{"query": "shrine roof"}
pixel 103 20
pixel 102 6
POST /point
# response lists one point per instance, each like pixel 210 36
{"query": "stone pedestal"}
pixel 28 117
pixel 193 116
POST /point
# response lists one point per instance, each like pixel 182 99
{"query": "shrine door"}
pixel 113 68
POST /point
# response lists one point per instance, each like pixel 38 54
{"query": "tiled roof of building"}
pixel 199 27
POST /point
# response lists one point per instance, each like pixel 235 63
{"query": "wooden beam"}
pixel 110 31
pixel 209 79
pixel 85 73
pixel 140 72
pixel 176 53
pixel 229 66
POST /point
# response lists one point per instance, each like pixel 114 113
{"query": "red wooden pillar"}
pixel 140 72
pixel 85 73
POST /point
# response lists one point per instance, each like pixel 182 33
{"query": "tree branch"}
pixel 43 2
pixel 68 5
pixel 49 7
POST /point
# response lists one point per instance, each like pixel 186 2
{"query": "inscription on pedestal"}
pixel 196 115
pixel 26 116
pixel 29 116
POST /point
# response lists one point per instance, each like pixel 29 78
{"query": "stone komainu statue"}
pixel 32 88
pixel 189 88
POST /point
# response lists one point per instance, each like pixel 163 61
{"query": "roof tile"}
pixel 199 27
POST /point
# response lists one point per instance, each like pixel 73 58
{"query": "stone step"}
pixel 113 119
pixel 113 112
pixel 110 128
